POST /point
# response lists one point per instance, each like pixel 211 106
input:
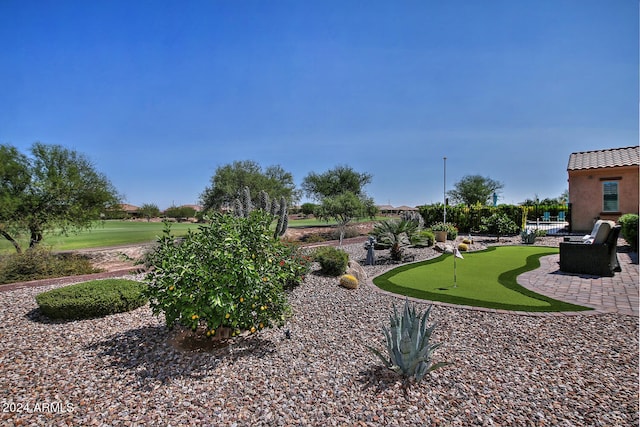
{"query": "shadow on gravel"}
pixel 151 355
pixel 36 316
pixel 379 378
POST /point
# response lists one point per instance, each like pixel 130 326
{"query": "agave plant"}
pixel 408 344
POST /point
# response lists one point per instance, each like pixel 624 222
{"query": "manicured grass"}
pixel 484 279
pixel 116 232
pixel 313 222
pixel 105 233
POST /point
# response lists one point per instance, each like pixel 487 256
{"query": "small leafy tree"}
pixel 472 189
pixel 180 212
pixel 54 189
pixel 498 224
pixel 341 195
pixel 149 210
pixel 227 277
pixel 308 208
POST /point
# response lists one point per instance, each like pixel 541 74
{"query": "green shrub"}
pixel 498 224
pixel 629 231
pixel 332 261
pixel 39 263
pixel 463 247
pixel 423 239
pixel 230 274
pixel 349 232
pixel 92 299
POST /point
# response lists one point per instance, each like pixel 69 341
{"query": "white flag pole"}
pixel 455 280
pixel 456 254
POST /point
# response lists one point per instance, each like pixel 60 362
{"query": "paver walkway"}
pixel 617 294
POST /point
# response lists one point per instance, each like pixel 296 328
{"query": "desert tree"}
pixel 340 194
pixel 53 190
pixel 149 210
pixel 230 180
pixel 474 189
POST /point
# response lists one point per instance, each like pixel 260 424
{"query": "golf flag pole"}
pixel 456 254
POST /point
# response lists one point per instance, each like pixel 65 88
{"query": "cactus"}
pixel 263 201
pixel 408 344
pixel 413 216
pixel 246 201
pixel 237 208
pixel 243 206
pixel 283 219
pixel 348 281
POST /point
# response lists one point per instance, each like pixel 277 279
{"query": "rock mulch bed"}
pixel 505 369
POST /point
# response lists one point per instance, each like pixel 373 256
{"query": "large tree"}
pixel 340 194
pixel 53 189
pixel 230 180
pixel 473 189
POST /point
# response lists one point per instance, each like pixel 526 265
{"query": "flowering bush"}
pixel 231 273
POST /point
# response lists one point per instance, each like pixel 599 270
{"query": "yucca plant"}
pixel 408 342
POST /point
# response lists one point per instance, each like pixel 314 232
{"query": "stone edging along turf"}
pixel 506 279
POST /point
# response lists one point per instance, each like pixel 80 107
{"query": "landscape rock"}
pixel 356 270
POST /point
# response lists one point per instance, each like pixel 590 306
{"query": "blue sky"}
pixel 158 94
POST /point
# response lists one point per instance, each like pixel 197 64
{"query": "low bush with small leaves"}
pixel 96 298
pixel 332 261
pixel 39 263
pixel 463 247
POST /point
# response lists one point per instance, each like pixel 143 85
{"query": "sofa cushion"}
pixel 602 233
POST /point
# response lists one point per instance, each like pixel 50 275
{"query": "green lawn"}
pixel 484 279
pixel 116 232
pixel 313 222
pixel 105 233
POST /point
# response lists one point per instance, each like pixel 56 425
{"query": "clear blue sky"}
pixel 158 94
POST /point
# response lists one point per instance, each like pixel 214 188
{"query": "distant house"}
pixel 603 184
pixel 130 211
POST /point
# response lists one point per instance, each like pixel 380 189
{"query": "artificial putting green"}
pixel 483 279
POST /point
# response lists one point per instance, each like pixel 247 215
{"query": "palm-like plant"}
pixel 396 234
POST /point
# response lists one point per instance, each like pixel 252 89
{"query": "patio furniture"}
pixel 546 216
pixel 561 216
pixel 596 254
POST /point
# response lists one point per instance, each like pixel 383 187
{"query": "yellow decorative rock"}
pixel 348 281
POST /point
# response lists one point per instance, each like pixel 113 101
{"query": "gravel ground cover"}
pixel 506 369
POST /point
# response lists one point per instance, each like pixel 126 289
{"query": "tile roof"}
pixel 611 157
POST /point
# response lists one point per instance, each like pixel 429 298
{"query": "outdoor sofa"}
pixel 594 254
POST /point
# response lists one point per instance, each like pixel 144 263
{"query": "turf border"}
pixel 506 279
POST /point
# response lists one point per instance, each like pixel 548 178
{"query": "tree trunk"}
pixel 36 238
pixel 12 240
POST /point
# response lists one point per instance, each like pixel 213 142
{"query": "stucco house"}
pixel 603 184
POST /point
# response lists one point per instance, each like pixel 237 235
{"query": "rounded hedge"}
pixel 332 261
pixel 629 231
pixel 95 298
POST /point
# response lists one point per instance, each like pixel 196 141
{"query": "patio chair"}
pixel 561 216
pixel 546 216
pixel 596 255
